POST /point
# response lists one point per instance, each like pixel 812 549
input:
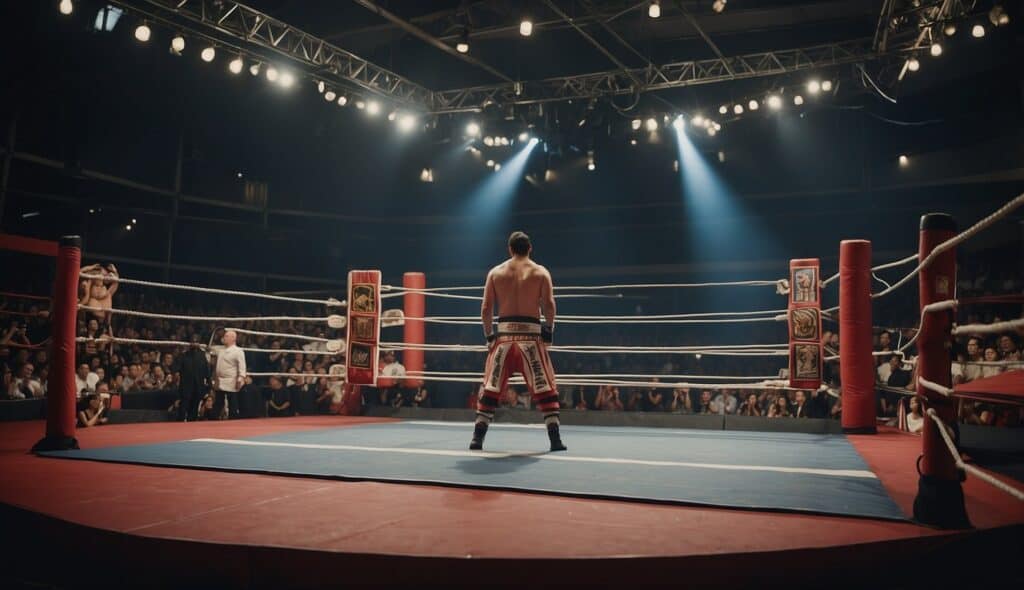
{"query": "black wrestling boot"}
pixel 479 432
pixel 556 439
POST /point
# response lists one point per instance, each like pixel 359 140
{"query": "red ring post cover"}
pixel 805 323
pixel 362 331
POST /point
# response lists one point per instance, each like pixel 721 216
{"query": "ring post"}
pixel 60 399
pixel 413 330
pixel 940 497
pixel 856 364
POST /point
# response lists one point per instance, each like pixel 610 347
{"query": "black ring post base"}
pixel 940 503
pixel 56 443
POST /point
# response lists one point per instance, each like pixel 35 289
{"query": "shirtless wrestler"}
pixel 523 291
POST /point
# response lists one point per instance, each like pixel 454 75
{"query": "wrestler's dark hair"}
pixel 519 243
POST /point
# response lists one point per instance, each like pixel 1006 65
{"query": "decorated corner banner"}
pixel 805 350
pixel 363 329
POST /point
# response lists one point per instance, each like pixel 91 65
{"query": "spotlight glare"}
pixel 826 85
pixel 712 131
pixel 753 105
pixel 774 102
pixel 342 100
pixel 142 32
pixel 330 95
pixel 406 123
pixel 490 163
pixel 949 29
pixel 679 123
pixel 904 161
pixel 723 110
pixel 272 73
pixel 798 100
pixel 524 136
pixel 636 123
pixel 997 16
pixel 913 65
pixel 427 175
pixel 652 124
pixel 208 54
pixel 236 65
pixel 128 227
pixel 814 87
pixel 360 105
pixel 463 45
pixel 936 49
pixel 697 120
pixel 504 140
pixel 497 167
pixel 488 141
pixel 66 7
pixel 654 9
pixel 392 115
pixel 718 5
pixel 632 142
pixel 178 44
pixel 373 108
pixel 287 80
pixel 526 27
pixel 473 129
pixel 321 87
pixel 738 109
pixel 254 69
pixel 978 31
pixel 591 166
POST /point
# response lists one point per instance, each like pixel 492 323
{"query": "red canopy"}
pixel 1005 387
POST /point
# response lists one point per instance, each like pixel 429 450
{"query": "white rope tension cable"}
pixel 943 430
pixel 327 302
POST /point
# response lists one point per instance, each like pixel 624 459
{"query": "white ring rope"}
pixel 326 302
pixel 393 288
pixel 944 431
pixel 994 328
pixel 293 375
pixel 192 318
pixel 479 298
pixel 182 344
pixel 646 384
pixel 722 350
pixel 954 241
pixel 475 321
pixel 874 269
pixel 277 335
pixel 576 377
pixel 631 318
pixel 940 389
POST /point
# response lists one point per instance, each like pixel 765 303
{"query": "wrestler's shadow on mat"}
pixel 495 463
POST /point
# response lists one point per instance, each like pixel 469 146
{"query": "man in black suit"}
pixel 192 373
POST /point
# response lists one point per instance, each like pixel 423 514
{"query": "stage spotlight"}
pixel 427 175
pixel 718 5
pixel 636 123
pixel 654 9
pixel 236 65
pixel 753 105
pixel 488 141
pixel 679 123
pixel 497 167
pixel 504 141
pixel 142 32
pixel 738 109
pixel 321 87
pixel 342 100
pixel 66 7
pixel 208 54
pixel 723 110
pixel 826 85
pixel 978 31
pixel 904 161
pixel 392 115
pixel 949 29
pixel 712 131
pixel 652 124
pixel 360 104
pixel 526 27
pixel 473 129
pixel 997 16
pixel 463 45
pixel 675 165
pixel 935 49
pixel 774 102
pixel 717 126
pixel 721 156
pixel 128 227
pixel 632 142
pixel 913 65
pixel 254 69
pixel 524 136
pixel 373 108
pixel 490 163
pixel 406 123
pixel 814 87
pixel 798 100
pixel 177 44
pixel 697 120
pixel 590 161
pixel 287 79
pixel 272 73
pixel 330 95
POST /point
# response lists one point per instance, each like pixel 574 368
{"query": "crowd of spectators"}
pixel 106 368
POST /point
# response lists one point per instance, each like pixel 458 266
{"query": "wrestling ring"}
pixel 398 498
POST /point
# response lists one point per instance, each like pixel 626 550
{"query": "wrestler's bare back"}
pixel 521 287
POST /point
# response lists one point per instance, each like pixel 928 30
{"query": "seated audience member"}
pixel 160 379
pixel 724 403
pixel 898 376
pixel 991 356
pixel 680 401
pixel 705 403
pixel 800 405
pixel 1008 350
pixel 85 379
pixel 25 385
pixel 579 401
pixel 207 409
pixel 964 370
pixel 279 399
pixel 324 397
pixel 94 412
pixel 635 400
pixel 653 400
pixel 751 407
pixel 915 420
pixel 779 409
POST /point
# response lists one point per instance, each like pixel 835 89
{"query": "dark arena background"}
pixel 245 250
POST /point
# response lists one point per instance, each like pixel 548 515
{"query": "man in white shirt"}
pixel 724 403
pixel 391 373
pixel 229 375
pixel 85 379
pixel 25 385
pixel 966 371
